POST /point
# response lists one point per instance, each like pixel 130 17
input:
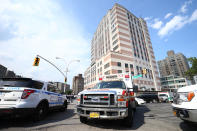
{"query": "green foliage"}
pixel 193 70
pixel 69 92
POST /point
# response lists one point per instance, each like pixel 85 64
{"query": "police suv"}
pixel 19 96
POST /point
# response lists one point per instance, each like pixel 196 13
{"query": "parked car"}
pixel 149 98
pixel 165 96
pixel 139 101
pixel 19 96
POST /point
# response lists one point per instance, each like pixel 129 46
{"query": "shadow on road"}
pixel 117 124
pixel 188 126
pixel 22 122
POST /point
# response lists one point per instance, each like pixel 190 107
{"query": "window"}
pixel 115 42
pixel 114 37
pixel 110 84
pixel 119 64
pixel 131 66
pixel 112 21
pixel 114 30
pixel 51 88
pixel 119 71
pixel 126 65
pixel 106 65
pixel 100 69
pixel 116 47
pixel 20 82
pixel 57 90
pixel 107 72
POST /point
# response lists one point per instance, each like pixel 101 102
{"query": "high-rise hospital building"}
pixel 121 44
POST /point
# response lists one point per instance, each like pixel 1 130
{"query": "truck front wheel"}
pixel 83 119
pixel 128 121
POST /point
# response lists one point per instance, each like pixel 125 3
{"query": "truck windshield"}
pixel 110 84
pixel 163 95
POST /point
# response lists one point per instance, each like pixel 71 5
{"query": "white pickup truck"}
pixel 185 103
pixel 20 96
pixel 111 98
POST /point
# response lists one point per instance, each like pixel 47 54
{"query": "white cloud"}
pixel 168 15
pixel 185 5
pixel 157 24
pixel 147 18
pixel 166 40
pixel 41 27
pixel 193 17
pixel 175 23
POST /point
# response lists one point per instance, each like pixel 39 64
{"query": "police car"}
pixel 19 96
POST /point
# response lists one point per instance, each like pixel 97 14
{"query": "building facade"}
pixel 173 64
pixel 10 74
pixel 195 79
pixel 121 44
pixel 172 83
pixel 62 86
pixel 78 84
pixel 3 71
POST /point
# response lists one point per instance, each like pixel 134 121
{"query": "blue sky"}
pixel 65 28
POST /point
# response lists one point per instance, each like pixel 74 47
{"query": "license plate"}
pixel 94 115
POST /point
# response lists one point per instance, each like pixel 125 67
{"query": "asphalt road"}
pixel 150 117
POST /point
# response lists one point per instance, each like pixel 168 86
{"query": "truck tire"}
pixel 128 121
pixel 40 111
pixel 83 119
pixel 64 107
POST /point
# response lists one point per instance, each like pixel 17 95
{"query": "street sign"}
pixel 137 76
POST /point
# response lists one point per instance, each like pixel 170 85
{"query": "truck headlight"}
pixel 186 97
pixel 190 96
pixel 122 101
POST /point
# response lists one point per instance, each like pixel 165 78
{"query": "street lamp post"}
pixel 67 65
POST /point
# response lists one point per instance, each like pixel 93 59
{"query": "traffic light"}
pixel 36 61
pixel 65 80
pixel 144 71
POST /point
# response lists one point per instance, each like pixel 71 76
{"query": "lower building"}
pixel 78 84
pixel 3 71
pixel 117 63
pixel 10 74
pixel 172 83
pixel 62 86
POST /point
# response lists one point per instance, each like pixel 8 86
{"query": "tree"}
pixel 193 70
pixel 69 92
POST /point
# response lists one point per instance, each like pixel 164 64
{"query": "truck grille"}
pixel 98 99
pixel 112 99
